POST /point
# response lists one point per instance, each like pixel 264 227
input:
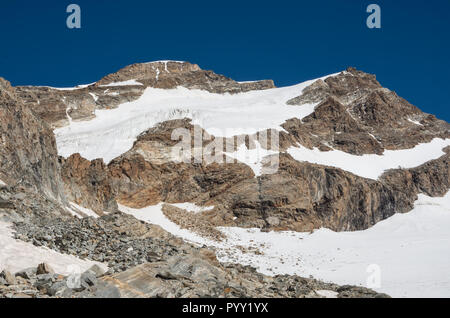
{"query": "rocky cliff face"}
pixel 303 196
pixel 148 173
pixel 300 196
pixel 28 155
pixel 87 183
pixel 357 115
pixel 170 74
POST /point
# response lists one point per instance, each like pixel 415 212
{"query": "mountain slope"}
pixel 340 152
pixel 334 133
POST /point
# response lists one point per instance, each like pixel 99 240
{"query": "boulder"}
pixel 97 270
pixel 28 273
pixel 44 268
pixel 8 278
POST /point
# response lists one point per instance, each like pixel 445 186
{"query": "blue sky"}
pixel 287 41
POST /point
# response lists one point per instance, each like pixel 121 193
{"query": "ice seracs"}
pixel 114 131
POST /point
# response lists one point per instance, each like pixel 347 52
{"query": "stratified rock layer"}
pixel 28 154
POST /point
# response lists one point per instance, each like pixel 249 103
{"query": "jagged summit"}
pixel 170 74
pixel 150 72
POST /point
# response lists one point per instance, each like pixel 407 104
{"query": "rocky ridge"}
pixel 357 115
pixel 60 106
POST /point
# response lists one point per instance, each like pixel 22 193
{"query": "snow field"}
pixel 411 251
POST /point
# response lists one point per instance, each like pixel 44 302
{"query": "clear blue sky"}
pixel 287 41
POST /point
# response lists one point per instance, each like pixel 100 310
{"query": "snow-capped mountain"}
pixel 264 175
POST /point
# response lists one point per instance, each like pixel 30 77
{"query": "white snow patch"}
pixel 74 213
pixel 375 138
pixel 164 61
pixel 95 97
pixel 66 88
pixel 327 293
pixel 192 207
pixel 252 157
pixel 131 82
pixel 16 255
pixel 372 166
pixel 67 113
pixel 75 210
pixel 2 183
pixel 412 250
pixel 415 122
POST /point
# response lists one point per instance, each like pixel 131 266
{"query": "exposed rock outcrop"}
pixel 300 196
pixel 170 74
pixel 87 183
pixel 28 154
pixel 304 196
pixel 149 174
pixel 357 115
pixel 199 275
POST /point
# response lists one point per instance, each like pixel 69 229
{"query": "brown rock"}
pixel 28 150
pixel 44 268
pixel 171 74
pixel 87 183
pixel 147 175
pixel 8 277
pixel 357 115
